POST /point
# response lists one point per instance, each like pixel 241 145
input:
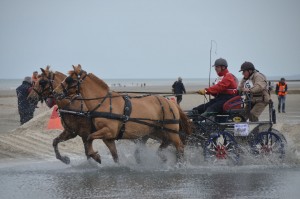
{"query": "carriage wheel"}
pixel 268 144
pixel 221 146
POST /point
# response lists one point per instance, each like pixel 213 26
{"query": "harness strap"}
pixel 103 99
pixel 136 120
pixel 162 110
pixel 114 116
pixel 126 116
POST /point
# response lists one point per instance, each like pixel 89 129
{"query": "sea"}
pixel 11 84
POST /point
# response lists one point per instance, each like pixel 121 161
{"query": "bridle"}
pixel 72 83
pixel 43 83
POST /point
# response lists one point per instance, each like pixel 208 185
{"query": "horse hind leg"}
pixel 141 142
pixel 164 144
pixel 175 139
pixel 65 135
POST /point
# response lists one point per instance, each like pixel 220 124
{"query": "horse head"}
pixel 45 84
pixel 71 84
pixel 77 79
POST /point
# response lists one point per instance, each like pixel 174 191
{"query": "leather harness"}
pixel 125 117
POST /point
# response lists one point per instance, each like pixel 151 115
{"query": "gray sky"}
pixel 148 38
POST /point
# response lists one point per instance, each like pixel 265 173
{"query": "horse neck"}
pixel 93 89
pixel 58 78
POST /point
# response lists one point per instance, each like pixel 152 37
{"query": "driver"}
pixel 255 86
pixel 224 88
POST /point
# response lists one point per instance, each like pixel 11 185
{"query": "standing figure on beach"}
pixel 224 88
pixel 26 109
pixel 281 91
pixel 34 77
pixel 255 86
pixel 178 89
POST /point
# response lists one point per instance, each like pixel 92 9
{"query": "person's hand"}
pixel 201 92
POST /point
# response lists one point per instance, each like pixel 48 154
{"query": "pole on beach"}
pixel 211 42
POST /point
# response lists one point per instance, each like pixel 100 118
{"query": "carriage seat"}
pixel 234 105
pixel 233 110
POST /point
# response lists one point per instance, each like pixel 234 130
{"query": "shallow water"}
pixel 87 179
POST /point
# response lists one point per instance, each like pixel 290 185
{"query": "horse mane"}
pixel 59 73
pixel 99 81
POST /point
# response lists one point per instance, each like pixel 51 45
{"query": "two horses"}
pixel 73 124
pixel 116 116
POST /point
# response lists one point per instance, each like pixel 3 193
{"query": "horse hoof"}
pixel 65 160
pixel 96 157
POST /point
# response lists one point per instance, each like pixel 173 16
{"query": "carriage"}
pixel 228 135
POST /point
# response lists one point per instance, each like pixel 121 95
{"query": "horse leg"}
pixel 65 135
pixel 137 153
pixel 104 133
pixel 84 141
pixel 164 144
pixel 111 145
pixel 91 153
pixel 175 139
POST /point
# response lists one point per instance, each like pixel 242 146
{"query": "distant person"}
pixel 224 88
pixel 34 77
pixel 26 109
pixel 178 89
pixel 255 86
pixel 281 91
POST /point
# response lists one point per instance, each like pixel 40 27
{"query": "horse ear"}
pixel 73 67
pixel 47 67
pixel 79 66
pixel 43 71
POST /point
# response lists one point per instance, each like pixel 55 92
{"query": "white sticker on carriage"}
pixel 241 129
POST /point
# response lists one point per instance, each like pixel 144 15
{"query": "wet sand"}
pixel 33 141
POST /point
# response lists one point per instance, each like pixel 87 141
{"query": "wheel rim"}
pixel 221 146
pixel 268 144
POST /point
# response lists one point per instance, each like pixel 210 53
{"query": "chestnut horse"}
pixel 82 127
pixel 117 116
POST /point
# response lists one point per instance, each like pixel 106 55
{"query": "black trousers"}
pixel 178 98
pixel 215 105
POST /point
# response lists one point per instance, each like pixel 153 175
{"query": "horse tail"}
pixel 184 123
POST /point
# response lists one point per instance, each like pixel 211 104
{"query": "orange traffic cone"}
pixel 54 121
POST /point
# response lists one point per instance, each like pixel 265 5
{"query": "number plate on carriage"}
pixel 241 129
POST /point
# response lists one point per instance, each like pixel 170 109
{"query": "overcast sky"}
pixel 148 38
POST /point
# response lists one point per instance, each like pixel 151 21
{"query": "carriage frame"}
pixel 228 135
